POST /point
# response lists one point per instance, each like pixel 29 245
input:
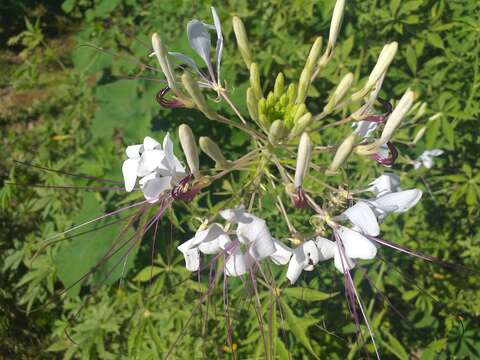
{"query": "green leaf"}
pixel 435 40
pixel 411 59
pixel 396 348
pixel 307 294
pixel 297 330
pixel 68 5
pixel 147 273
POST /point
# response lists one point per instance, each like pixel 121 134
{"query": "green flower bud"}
pixel 279 87
pixel 252 104
pixel 196 94
pixel 276 132
pixel 339 93
pixel 255 81
pixel 291 92
pixel 342 154
pixel 242 40
pixel 301 125
pixel 210 148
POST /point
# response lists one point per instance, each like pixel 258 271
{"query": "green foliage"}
pixel 67 103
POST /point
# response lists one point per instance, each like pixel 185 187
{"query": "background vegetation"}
pixel 68 106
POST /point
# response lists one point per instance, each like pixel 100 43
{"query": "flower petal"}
pixel 282 253
pixel 343 263
pixel 153 188
pixel 185 59
pixel 150 144
pixel 356 245
pixel 237 263
pixel 192 259
pixel 363 216
pixel 199 39
pixel 129 170
pixel 219 48
pixel 257 234
pixel 312 255
pixel 385 184
pixel 133 151
pixel 150 161
pixel 326 248
pixel 235 215
pixel 295 266
pixel 365 128
pixel 397 202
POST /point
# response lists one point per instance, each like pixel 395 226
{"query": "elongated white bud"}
pixel 196 94
pixel 210 148
pixel 242 40
pixel 336 22
pixel 162 55
pixel 384 60
pixel 343 152
pixel 396 117
pixel 339 93
pixel 189 146
pixel 303 159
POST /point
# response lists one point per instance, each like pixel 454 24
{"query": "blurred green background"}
pixel 74 92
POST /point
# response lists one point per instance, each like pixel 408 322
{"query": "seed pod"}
pixel 252 104
pixel 242 40
pixel 276 132
pixel 210 148
pixel 162 55
pixel 189 146
pixel 279 87
pixel 342 154
pixel 196 94
pixel 396 117
pixel 255 81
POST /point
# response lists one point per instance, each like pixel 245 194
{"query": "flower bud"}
pixel 252 104
pixel 162 55
pixel 421 111
pixel 301 125
pixel 336 22
pixel 291 92
pixel 196 94
pixel 300 110
pixel 279 87
pixel 419 134
pixel 303 85
pixel 210 148
pixel 303 159
pixel 343 152
pixel 397 116
pixel 189 146
pixel 255 81
pixel 339 93
pixel 384 60
pixel 242 40
pixel 314 55
pixel 276 132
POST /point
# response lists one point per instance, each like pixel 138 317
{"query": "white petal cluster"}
pixel 252 244
pixel 426 158
pixel 155 165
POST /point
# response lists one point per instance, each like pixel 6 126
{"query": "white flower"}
pixel 208 241
pixel 305 257
pixel 426 158
pixel 365 128
pixel 385 184
pixel 158 168
pixel 200 42
pixel 252 232
pixel 350 245
pixel 362 217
